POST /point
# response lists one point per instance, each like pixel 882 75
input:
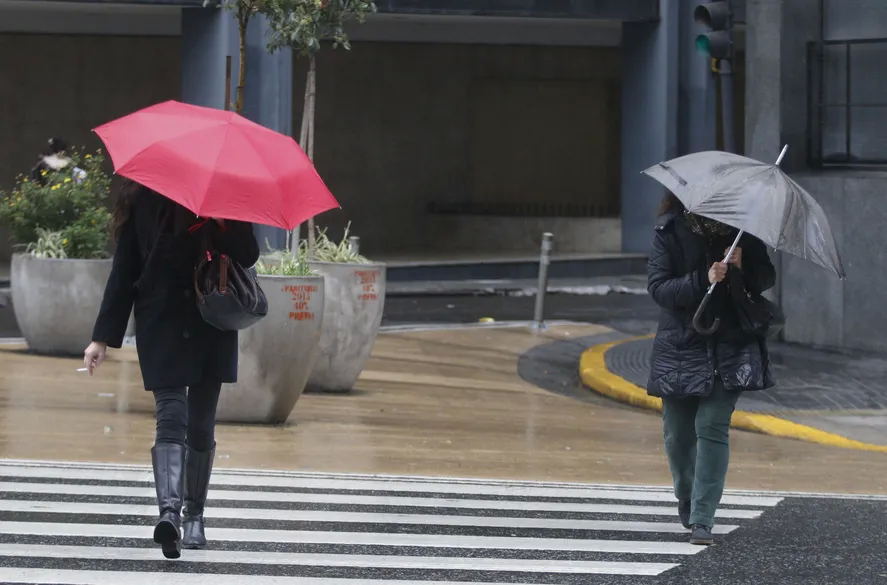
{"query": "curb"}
pixel 594 374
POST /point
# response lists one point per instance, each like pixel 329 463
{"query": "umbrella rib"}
pixel 216 165
pixel 681 181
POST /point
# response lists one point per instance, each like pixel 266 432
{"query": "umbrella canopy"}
pixel 217 164
pixel 755 197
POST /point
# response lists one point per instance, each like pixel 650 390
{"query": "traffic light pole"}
pixel 718 44
pixel 728 117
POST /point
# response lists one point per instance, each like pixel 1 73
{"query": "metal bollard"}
pixel 542 286
pixel 354 242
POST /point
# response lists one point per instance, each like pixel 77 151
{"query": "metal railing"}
pixel 847 125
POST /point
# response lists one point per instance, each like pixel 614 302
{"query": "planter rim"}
pixel 31 256
pixel 282 276
pixel 369 264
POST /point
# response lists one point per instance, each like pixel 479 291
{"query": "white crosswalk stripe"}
pixel 91 524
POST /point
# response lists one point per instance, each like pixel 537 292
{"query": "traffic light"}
pixel 717 16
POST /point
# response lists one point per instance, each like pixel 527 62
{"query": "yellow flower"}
pixel 65 241
pixel 25 180
pixel 54 187
pixel 44 173
pixel 68 180
pixel 88 156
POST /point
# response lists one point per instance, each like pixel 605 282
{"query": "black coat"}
pixel 684 362
pixel 153 270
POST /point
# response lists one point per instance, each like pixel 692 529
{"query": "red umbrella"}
pixel 217 164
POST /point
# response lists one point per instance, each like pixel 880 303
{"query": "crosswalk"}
pixel 90 525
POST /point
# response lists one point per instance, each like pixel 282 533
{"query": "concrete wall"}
pixel 651 53
pixel 400 126
pixel 66 85
pixel 465 233
pixel 820 309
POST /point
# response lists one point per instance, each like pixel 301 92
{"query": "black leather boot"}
pixel 198 468
pixel 169 463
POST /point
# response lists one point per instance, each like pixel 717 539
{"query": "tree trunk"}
pixel 311 99
pixel 241 78
pixel 303 142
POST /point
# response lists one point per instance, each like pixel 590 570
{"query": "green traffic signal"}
pixel 717 44
pixel 703 45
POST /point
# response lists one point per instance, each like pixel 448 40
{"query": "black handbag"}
pixel 228 295
pixel 757 315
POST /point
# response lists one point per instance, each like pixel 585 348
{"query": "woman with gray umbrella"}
pixel 698 376
pixel 709 264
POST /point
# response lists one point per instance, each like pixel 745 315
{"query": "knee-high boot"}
pixel 169 461
pixel 198 468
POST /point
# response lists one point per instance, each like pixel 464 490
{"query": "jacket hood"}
pixel 667 218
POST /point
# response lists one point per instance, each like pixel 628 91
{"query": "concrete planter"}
pixel 355 298
pixel 278 353
pixel 56 301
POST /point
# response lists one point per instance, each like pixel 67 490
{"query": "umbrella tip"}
pixel 782 155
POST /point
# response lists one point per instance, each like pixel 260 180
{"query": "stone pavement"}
pixel 490 402
pixel 841 394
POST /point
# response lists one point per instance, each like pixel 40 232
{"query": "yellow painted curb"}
pixel 594 373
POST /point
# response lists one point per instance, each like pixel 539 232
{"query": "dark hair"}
pixel 129 190
pixel 670 203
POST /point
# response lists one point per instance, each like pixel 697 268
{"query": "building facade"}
pixel 473 126
pixel 451 126
pixel 816 80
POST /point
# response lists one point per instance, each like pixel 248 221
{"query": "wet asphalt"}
pixel 802 541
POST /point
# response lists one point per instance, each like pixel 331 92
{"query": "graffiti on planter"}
pixel 301 294
pixel 367 280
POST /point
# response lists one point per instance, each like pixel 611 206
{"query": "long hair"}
pixel 670 203
pixel 129 191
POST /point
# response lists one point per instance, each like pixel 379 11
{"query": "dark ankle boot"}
pixel 684 508
pixel 198 468
pixel 701 535
pixel 169 462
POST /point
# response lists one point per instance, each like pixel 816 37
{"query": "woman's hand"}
pixel 94 355
pixel 736 258
pixel 717 272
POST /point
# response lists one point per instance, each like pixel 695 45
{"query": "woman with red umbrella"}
pixel 185 161
pixel 184 361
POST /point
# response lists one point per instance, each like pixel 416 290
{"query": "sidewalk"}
pixel 484 402
pixel 820 396
pixel 601 285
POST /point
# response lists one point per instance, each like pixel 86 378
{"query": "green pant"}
pixel 697 442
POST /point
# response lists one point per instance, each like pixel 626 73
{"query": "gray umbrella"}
pixel 754 197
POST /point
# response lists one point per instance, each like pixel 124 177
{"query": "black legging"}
pixel 188 415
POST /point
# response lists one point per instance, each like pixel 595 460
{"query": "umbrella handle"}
pixel 697 318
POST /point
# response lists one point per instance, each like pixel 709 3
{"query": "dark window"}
pixel 848 91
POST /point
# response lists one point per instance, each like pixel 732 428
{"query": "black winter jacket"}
pixel 684 362
pixel 153 270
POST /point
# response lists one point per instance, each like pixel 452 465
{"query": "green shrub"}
pixel 74 210
pixel 326 250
